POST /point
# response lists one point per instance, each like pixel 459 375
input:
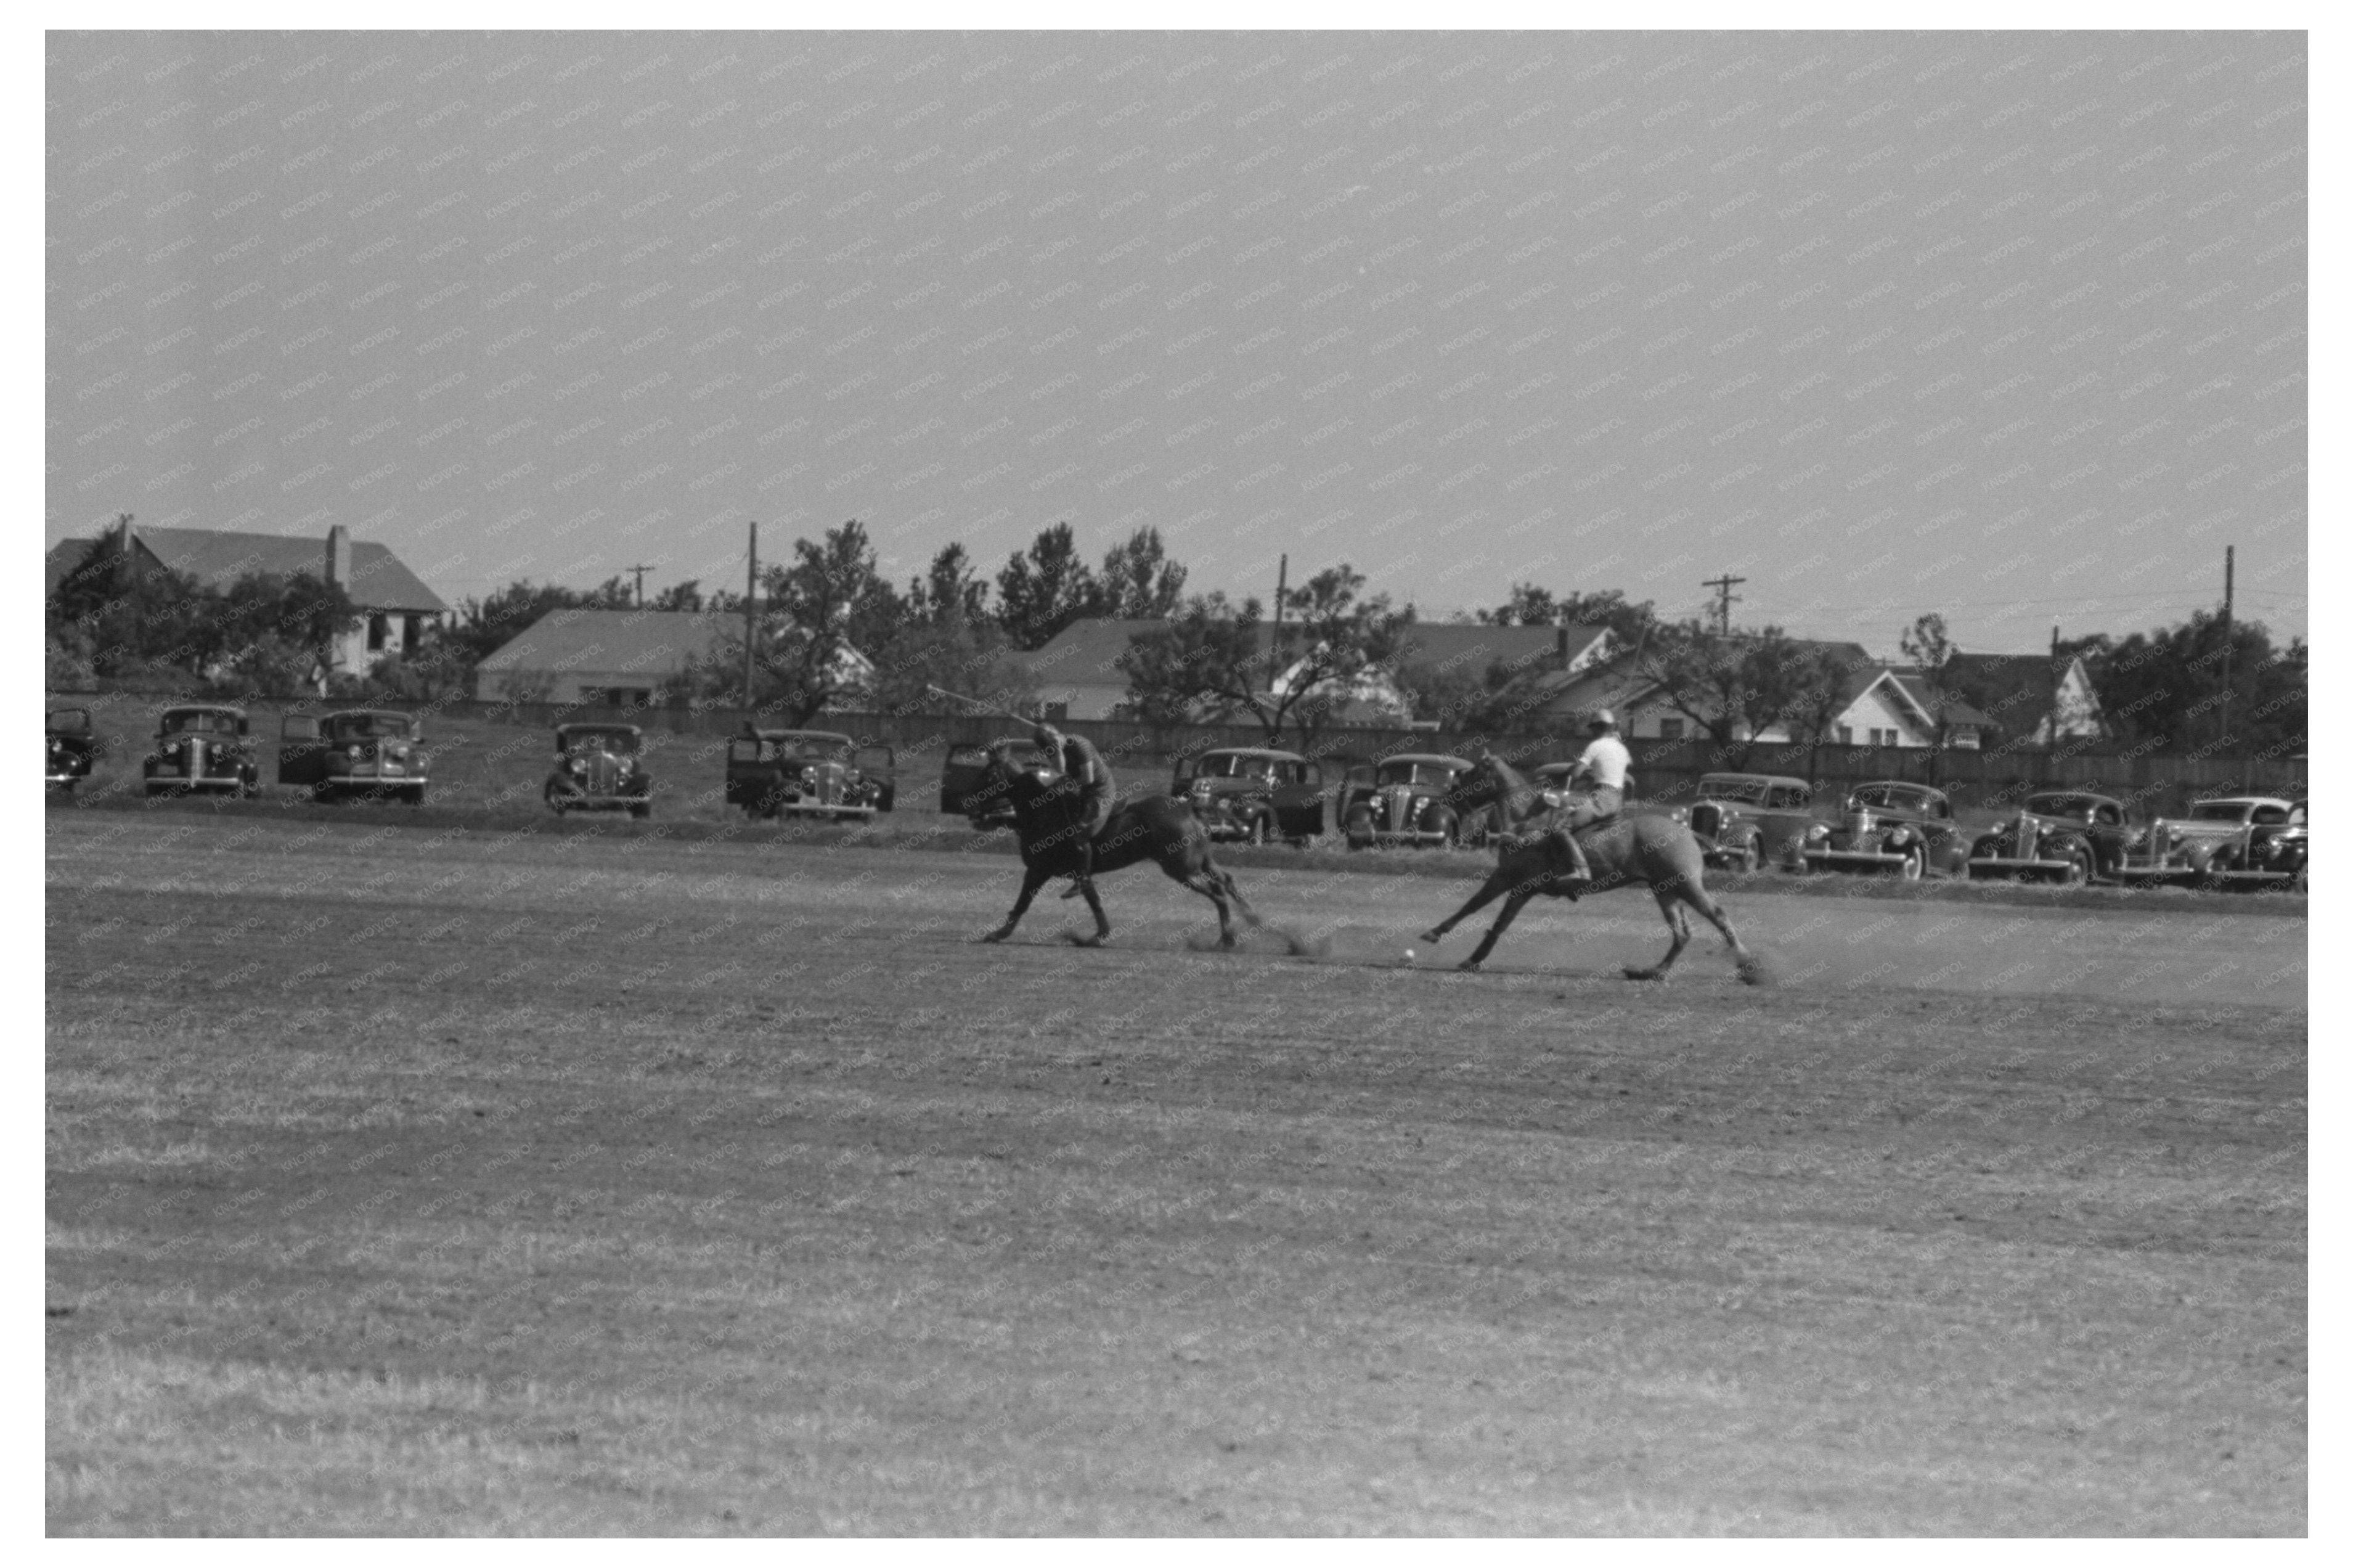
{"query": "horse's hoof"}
pixel 1433 938
pixel 1468 966
pixel 994 937
pixel 1076 940
pixel 1228 943
pixel 1634 974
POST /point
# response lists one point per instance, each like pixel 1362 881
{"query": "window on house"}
pixel 412 631
pixel 375 633
pixel 1671 729
pixel 1057 712
pixel 1846 735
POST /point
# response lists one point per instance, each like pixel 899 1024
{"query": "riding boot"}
pixel 1085 877
pixel 1578 873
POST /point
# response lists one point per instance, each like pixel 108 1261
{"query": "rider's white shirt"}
pixel 1606 762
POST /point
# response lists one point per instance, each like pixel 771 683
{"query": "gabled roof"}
pixel 650 642
pixel 1086 652
pixel 217 557
pixel 1914 686
pixel 2017 690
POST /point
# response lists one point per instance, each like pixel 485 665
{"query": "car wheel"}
pixel 1914 864
pixel 642 811
pixel 1255 835
pixel 557 799
pixel 416 796
pixel 1752 857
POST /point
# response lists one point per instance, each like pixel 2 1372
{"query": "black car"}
pixel 1891 827
pixel 73 748
pixel 2058 835
pixel 1252 794
pixel 202 749
pixel 375 754
pixel 809 772
pixel 598 767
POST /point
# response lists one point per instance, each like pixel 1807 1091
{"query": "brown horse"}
pixel 1656 853
pixel 1048 820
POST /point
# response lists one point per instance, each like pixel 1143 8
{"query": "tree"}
pixel 1923 642
pixel 1215 656
pixel 1733 687
pixel 2165 687
pixel 1041 591
pixel 1821 680
pixel 686 596
pixel 1138 581
pixel 949 590
pixel 1531 605
pixel 485 625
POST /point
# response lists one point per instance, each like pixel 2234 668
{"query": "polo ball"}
pixel 1408 955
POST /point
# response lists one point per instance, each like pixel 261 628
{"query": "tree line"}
pixel 831 629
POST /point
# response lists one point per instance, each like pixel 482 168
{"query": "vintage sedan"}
pixel 1407 800
pixel 1252 795
pixel 372 753
pixel 73 748
pixel 202 748
pixel 809 772
pixel 964 791
pixel 1893 828
pixel 2223 841
pixel 1747 820
pixel 2058 835
pixel 598 766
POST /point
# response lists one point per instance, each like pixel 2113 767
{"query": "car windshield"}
pixel 1232 765
pixel 368 726
pixel 70 721
pixel 2218 811
pixel 811 749
pixel 2083 806
pixel 598 740
pixel 1732 787
pixel 200 721
pixel 1429 773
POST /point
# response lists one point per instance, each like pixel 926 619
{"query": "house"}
pixel 396 608
pixel 1878 704
pixel 2029 699
pixel 621 657
pixel 1078 676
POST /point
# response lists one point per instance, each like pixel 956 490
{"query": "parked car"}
pixel 2223 841
pixel 202 748
pixel 598 767
pixel 2286 851
pixel 1407 799
pixel 369 752
pixel 1892 826
pixel 1253 795
pixel 2058 835
pixel 963 794
pixel 73 748
pixel 1747 821
pixel 809 772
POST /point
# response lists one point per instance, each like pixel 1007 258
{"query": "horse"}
pixel 1655 853
pixel 1049 822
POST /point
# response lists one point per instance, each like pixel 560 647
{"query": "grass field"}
pixel 449 1179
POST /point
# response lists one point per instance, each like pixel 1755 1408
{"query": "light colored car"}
pixel 2222 840
pixel 1747 820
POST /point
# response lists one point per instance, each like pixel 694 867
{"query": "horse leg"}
pixel 1103 922
pixel 1512 907
pixel 1032 879
pixel 1671 910
pixel 1489 891
pixel 1217 888
pixel 1743 959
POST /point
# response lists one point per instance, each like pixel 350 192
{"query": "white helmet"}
pixel 1602 719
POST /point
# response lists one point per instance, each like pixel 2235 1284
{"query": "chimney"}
pixel 339 556
pixel 1560 645
pixel 126 561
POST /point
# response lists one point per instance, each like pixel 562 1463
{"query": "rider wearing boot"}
pixel 1602 769
pixel 1079 762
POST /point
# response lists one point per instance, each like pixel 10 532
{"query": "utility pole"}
pixel 751 613
pixel 640 570
pixel 2230 553
pixel 1724 599
pixel 1282 578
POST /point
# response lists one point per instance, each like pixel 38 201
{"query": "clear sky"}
pixel 2007 326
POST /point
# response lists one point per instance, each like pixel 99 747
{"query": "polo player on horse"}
pixel 1076 758
pixel 1602 770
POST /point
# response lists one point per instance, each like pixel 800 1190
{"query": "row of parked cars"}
pixel 203 748
pixel 1745 822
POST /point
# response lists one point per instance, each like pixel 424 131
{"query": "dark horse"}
pixel 1656 853
pixel 1049 819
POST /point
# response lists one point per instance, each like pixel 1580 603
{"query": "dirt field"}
pixel 425 1179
